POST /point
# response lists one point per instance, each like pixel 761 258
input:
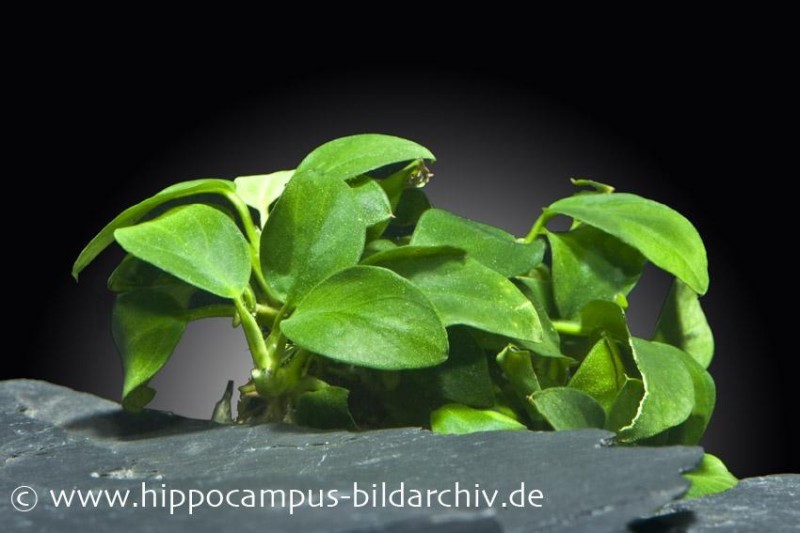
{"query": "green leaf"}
pixel 463 291
pixel 705 397
pixel 398 182
pixel 662 234
pixel 377 246
pixel 260 191
pixel 626 405
pixel 540 293
pixel 668 391
pixel 601 374
pixel 138 398
pixel 589 264
pixel 566 408
pixel 195 243
pixel 348 157
pixel 516 365
pixel 371 317
pixel 413 203
pixel 458 419
pixel 325 408
pixel 133 214
pixel 683 324
pixel 463 378
pixel 599 317
pixel 372 200
pixel 491 246
pixel 711 477
pixel 314 230
pixel 146 325
pixel 407 204
pixel 518 369
pixel 132 273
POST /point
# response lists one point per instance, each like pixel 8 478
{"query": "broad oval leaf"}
pixel 566 408
pixel 516 365
pixel 132 273
pixel 711 477
pixel 668 391
pixel 660 233
pixel 371 317
pixel 410 207
pixel 589 264
pixel 325 408
pixel 372 200
pixel 601 374
pixel 626 405
pixel 600 317
pixel 491 246
pixel 195 243
pixel 464 291
pixel 260 191
pixel 458 419
pixel 407 204
pixel 705 398
pixel 463 378
pixel 540 293
pixel 348 157
pixel 315 229
pixel 683 324
pixel 133 214
pixel 146 325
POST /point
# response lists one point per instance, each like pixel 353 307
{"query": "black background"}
pixel 700 132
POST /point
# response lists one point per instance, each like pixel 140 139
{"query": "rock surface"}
pixel 770 503
pixel 53 438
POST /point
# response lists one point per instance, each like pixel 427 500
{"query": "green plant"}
pixel 364 307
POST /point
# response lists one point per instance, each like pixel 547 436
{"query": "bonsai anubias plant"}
pixel 364 307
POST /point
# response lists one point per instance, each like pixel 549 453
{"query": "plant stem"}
pixel 568 327
pixel 266 312
pixel 255 245
pixel 252 332
pixel 247 220
pixel 211 311
pixel 538 226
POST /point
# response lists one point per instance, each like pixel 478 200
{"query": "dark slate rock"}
pixel 770 503
pixel 53 438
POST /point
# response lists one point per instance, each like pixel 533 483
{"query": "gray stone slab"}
pixel 53 438
pixel 769 503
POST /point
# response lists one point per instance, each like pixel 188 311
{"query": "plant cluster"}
pixel 365 307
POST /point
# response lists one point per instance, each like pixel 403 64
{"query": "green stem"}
pixel 276 346
pixel 266 313
pixel 252 332
pixel 538 227
pixel 568 327
pixel 247 220
pixel 297 367
pixel 211 311
pixel 272 298
pixel 254 242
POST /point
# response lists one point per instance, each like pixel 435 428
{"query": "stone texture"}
pixel 770 503
pixel 55 438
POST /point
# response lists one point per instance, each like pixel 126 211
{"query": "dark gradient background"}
pixel 506 143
